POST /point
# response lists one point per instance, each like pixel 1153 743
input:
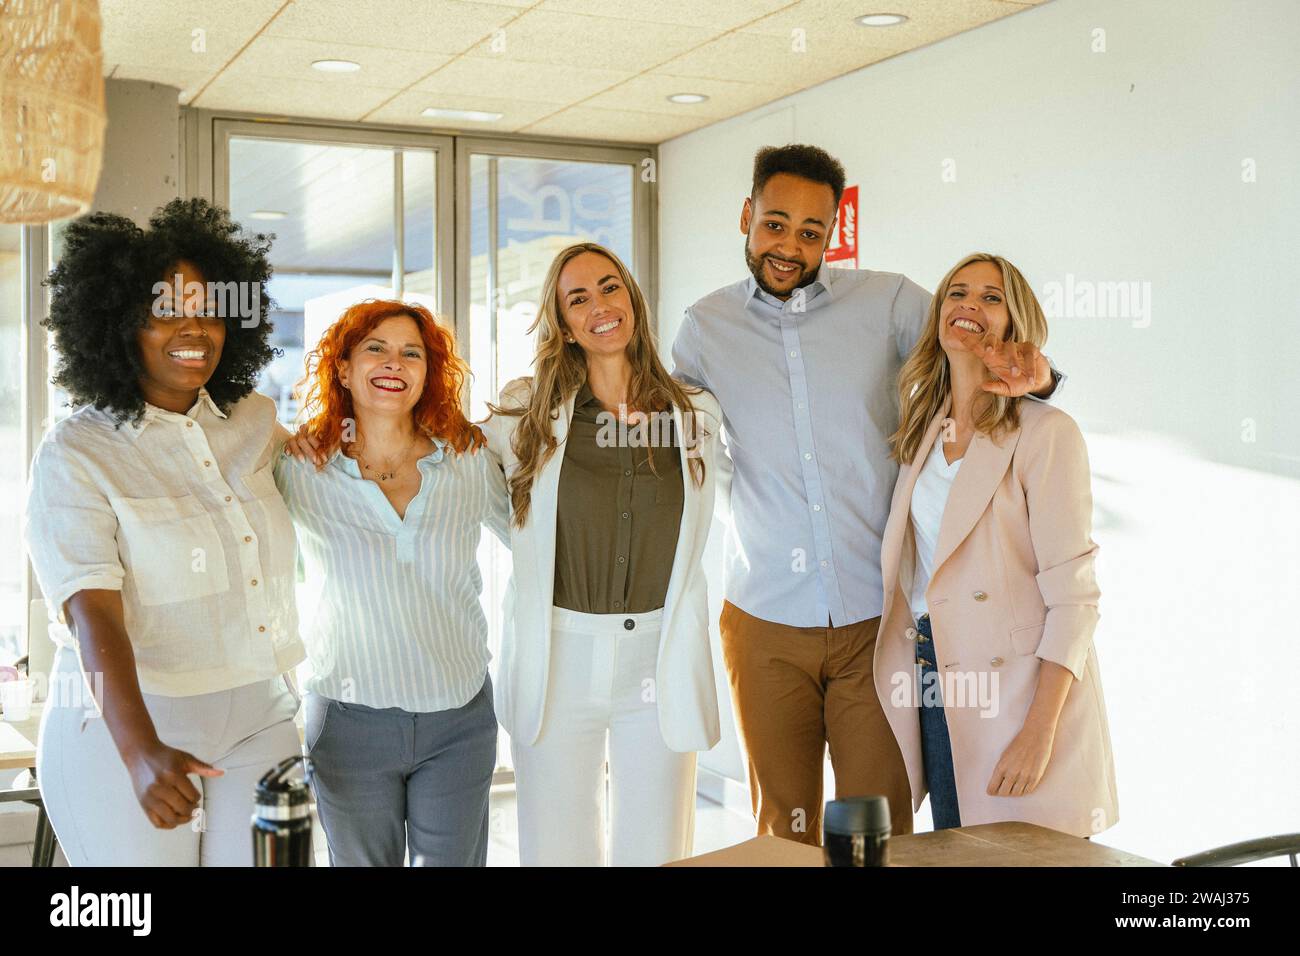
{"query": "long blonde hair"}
pixel 925 380
pixel 560 369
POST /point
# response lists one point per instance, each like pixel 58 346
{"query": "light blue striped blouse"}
pixel 390 613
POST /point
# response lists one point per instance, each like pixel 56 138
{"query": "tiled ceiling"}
pixel 590 69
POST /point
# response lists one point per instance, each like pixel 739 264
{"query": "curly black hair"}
pixel 103 287
pixel 798 159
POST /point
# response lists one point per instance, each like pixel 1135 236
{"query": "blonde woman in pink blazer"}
pixel 985 664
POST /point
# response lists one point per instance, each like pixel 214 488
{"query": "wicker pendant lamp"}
pixel 51 108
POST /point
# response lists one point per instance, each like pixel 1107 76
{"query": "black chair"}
pixel 1248 851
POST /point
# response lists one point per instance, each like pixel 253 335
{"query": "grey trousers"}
pixel 388 781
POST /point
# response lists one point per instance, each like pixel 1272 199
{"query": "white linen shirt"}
pixel 181 514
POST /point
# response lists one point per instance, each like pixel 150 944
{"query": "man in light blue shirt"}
pixel 804 360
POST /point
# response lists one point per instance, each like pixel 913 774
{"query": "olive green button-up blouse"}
pixel 617 521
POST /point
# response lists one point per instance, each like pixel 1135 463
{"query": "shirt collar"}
pixel 352 467
pixel 153 413
pixel 585 396
pixel 815 295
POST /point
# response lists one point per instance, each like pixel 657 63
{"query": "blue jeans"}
pixel 936 749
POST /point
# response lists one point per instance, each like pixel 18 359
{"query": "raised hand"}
pixel 1018 367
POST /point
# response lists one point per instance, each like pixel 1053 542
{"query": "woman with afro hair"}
pixel 163 549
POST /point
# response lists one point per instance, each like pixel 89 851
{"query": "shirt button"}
pixel 207 464
pixel 801 404
pixel 261 629
pixel 910 633
pixel 794 354
pixel 254 582
pixel 618 604
pixel 247 538
pixel 817 507
pixel 629 624
pixel 807 456
pixel 189 424
pixel 996 662
pixel 627 473
pixel 621 559
pixel 980 596
pixel 826 564
pixel 227 497
pixel 626 515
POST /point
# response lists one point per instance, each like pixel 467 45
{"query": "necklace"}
pixel 392 470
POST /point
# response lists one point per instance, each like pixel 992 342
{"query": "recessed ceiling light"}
pixel 335 66
pixel 880 20
pixel 474 116
pixel 267 214
pixel 687 98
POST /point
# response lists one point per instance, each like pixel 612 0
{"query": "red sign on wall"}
pixel 843 250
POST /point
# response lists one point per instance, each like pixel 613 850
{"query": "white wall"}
pixel 1122 165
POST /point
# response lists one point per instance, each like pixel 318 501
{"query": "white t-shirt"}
pixel 929 497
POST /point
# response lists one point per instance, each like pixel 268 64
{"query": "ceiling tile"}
pixel 190 35
pixel 406 107
pixel 428 26
pixel 747 54
pixel 563 39
pixel 716 15
pixel 615 125
pixel 501 76
pixel 928 20
pixel 285 57
pixel 286 97
pixel 649 92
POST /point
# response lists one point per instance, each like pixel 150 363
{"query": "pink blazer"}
pixel 1013 584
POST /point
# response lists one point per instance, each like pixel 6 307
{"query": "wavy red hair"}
pixel 438 414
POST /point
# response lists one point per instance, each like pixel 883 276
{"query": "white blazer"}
pixel 685 691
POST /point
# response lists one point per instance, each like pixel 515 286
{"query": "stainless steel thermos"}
pixel 282 816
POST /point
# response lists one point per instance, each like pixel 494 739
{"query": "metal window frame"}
pixel 34 266
pixel 644 214
pixel 204 171
pixel 215 131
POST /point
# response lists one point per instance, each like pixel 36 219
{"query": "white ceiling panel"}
pixel 588 68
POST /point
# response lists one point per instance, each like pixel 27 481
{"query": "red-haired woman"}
pixel 399 719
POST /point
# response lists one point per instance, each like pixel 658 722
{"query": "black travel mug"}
pixel 282 816
pixel 855 832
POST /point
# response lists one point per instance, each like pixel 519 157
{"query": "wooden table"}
pixel 18 752
pixel 989 844
pixel 18 741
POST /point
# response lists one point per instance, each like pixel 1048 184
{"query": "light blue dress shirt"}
pixel 808 389
pixel 391 614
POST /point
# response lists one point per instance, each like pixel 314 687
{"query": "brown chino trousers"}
pixel 797 689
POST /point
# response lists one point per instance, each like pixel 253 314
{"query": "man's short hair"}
pixel 798 159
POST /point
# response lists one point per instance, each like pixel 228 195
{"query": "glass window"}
pixel 342 216
pixel 541 206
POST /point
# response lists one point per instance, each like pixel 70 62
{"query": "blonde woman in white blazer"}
pixel 606 643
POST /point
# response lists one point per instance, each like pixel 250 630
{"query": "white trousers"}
pixel 601 698
pixel 87 790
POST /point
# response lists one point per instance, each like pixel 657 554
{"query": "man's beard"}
pixel 806 277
